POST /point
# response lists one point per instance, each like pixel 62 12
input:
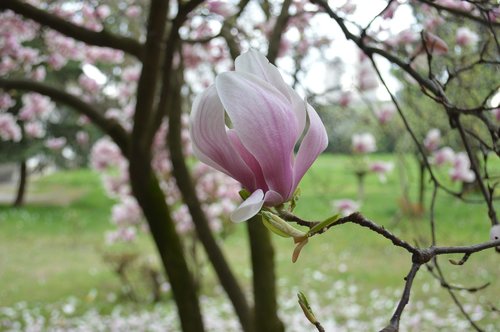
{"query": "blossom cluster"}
pixel 460 163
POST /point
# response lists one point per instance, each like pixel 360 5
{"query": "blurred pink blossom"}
pixel 432 139
pixel 363 143
pixel 55 143
pixel 346 206
pixel 9 129
pixel 222 8
pixel 461 168
pixel 385 113
pixel 105 154
pixel 381 168
pixel 35 106
pixel 82 137
pixel 34 129
pixel 466 37
pixel 345 99
pixel 445 155
pixel 133 11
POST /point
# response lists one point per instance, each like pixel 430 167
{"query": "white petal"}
pixel 249 208
pixel 253 62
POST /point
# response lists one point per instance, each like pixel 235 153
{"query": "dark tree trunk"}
pixel 264 278
pixel 186 187
pixel 21 187
pixel 152 201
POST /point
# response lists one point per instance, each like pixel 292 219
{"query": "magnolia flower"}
pixel 443 156
pixel 466 36
pixel 381 168
pixel 9 129
pixel 461 169
pixel 55 143
pixel 385 113
pixel 268 118
pixel 363 143
pixel 345 99
pixel 346 206
pixel 34 129
pixel 432 139
pixel 222 8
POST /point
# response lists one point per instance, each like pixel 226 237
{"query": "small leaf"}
pixel 273 229
pixel 298 249
pixel 306 308
pixel 325 223
pixel 283 226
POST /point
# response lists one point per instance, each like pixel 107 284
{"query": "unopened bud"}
pixel 280 227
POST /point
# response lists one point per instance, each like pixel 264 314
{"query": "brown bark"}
pixel 21 188
pixel 205 235
pixel 152 201
pixel 264 278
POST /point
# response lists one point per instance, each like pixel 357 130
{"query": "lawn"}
pixel 52 256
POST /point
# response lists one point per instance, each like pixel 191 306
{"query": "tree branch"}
pixel 109 126
pixel 96 38
pixel 460 13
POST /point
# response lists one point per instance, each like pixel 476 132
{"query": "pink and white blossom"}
pixel 9 129
pixel 432 139
pixel 466 37
pixel 346 206
pixel 461 169
pixel 34 129
pixel 222 8
pixel 127 212
pixel 82 137
pixel 105 154
pixel 363 143
pixel 445 155
pixel 133 11
pixel 381 168
pixel 345 99
pixel 35 106
pixel 55 143
pixel 385 113
pixel 268 118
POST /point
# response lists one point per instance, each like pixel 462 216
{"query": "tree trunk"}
pixel 21 188
pixel 152 201
pixel 186 187
pixel 264 278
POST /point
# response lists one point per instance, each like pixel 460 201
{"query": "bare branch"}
pixel 96 38
pixel 109 126
pixel 396 317
pixel 460 13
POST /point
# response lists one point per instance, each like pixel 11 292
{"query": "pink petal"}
pixel 210 142
pixel 249 159
pixel 253 62
pixel 314 142
pixel 249 208
pixel 272 198
pixel 266 126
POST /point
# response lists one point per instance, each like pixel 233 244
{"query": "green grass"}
pixel 49 252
